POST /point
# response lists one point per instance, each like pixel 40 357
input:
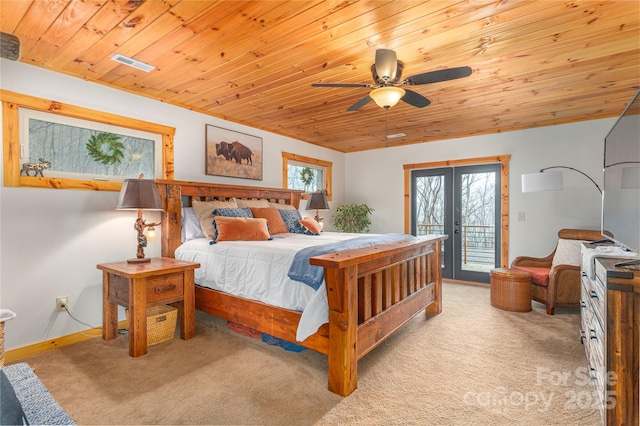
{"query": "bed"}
pixel 370 291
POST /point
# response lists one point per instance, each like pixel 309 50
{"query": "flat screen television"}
pixel 621 194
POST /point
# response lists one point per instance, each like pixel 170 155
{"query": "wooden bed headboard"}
pixel 177 194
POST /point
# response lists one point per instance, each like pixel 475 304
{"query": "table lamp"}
pixel 139 194
pixel 318 201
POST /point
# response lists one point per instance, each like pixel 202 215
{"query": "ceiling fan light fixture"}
pixel 386 97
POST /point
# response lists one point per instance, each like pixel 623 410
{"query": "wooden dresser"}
pixel 610 332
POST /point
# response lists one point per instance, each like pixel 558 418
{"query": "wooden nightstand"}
pixel 138 286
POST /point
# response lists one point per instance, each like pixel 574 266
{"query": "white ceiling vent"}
pixel 132 62
pixel 397 135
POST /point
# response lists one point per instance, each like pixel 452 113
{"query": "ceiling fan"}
pixel 387 74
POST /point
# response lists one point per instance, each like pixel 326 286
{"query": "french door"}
pixel 464 203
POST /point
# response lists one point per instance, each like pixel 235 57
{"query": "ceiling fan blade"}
pixel 415 99
pixel 437 76
pixel 362 102
pixel 339 85
pixel 386 63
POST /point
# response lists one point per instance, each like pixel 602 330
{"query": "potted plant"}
pixel 352 218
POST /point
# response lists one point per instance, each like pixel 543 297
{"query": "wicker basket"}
pixel 161 323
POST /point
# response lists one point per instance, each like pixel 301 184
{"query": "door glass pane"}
pixel 478 227
pixel 429 205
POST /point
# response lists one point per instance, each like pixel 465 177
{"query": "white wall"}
pixel 52 239
pixel 578 145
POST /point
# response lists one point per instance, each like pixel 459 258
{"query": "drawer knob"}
pixel 167 288
pixel 593 294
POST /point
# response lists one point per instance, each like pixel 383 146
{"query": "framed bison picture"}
pixel 233 154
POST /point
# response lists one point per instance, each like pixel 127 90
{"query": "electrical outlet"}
pixel 61 302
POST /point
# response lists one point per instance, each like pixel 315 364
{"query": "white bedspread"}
pixel 257 270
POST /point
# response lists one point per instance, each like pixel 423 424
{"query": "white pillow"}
pixel 190 225
pixel 567 253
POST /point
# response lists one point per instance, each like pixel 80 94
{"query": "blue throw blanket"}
pixel 312 276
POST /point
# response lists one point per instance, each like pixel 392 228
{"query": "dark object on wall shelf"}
pixel 10 47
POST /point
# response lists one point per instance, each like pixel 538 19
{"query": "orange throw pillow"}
pixel 274 219
pixel 240 229
pixel 312 226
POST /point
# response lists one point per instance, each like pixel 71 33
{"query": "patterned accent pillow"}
pixel 230 212
pixel 292 220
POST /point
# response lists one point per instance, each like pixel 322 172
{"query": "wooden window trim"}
pixel 12 102
pixel 504 193
pixel 287 156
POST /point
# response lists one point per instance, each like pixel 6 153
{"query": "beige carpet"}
pixel 473 364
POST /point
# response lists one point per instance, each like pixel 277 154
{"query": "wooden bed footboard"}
pixel 371 291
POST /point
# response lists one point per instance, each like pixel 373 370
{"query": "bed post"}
pixel 171 217
pixel 435 264
pixel 342 292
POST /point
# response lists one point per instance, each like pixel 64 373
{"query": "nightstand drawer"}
pixel 165 287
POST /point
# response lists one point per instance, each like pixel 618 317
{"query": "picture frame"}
pixel 232 154
pixel 17 153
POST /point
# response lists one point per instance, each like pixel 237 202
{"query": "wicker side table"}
pixel 511 290
pixel 5 315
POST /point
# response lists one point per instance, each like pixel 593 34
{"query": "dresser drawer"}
pixel 586 317
pixel 165 287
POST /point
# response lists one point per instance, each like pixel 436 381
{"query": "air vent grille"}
pixel 132 62
pixel 397 135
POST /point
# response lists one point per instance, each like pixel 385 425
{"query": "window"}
pixel 82 148
pixel 305 173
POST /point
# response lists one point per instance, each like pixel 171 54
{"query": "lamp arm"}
pixel 622 162
pixel 575 170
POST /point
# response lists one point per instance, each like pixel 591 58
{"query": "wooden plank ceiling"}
pixel 535 63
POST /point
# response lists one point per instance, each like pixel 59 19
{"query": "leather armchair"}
pixel 557 283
